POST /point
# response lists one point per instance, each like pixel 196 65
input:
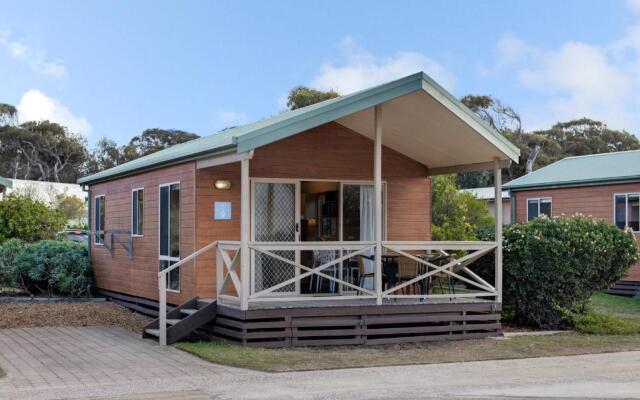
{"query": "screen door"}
pixel 275 219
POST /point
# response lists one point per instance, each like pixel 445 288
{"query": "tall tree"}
pixel 155 139
pixel 41 150
pixel 302 96
pixel 8 114
pixel 107 154
pixel 504 119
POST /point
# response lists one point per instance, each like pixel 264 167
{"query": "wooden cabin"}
pixel 310 227
pixel 605 186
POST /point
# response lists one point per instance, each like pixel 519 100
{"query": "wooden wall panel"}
pixel 138 276
pixel 331 152
pixel 593 201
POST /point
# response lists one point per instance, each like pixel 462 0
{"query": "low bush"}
pixel 29 220
pixel 553 266
pixel 47 267
pixel 596 323
pixel 9 250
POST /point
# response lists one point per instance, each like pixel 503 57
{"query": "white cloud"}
pixel 36 59
pixel 576 80
pixel 359 69
pixel 230 117
pixel 35 106
pixel 634 5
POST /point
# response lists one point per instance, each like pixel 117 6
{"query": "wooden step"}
pixel 204 302
pixel 184 319
pixel 153 332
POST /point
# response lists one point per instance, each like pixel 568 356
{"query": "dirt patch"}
pixel 33 315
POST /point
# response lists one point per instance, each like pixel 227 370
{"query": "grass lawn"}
pixel 2 373
pixel 626 307
pixel 612 325
pixel 610 315
pixel 298 359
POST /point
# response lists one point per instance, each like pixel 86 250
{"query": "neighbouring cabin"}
pixel 311 227
pixel 605 186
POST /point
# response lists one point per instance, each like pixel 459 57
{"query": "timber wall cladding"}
pixel 138 276
pixel 330 152
pixel 594 201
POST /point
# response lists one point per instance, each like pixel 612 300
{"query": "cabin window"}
pixel 137 212
pixel 537 207
pixel 627 211
pixel 170 232
pixel 100 207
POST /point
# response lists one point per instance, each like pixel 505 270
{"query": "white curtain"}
pixel 367 227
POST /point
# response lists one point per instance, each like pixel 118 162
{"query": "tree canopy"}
pixel 456 215
pixel 542 147
pixel 302 96
pixel 107 154
pixel 47 151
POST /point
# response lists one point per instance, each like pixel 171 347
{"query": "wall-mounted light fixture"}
pixel 223 184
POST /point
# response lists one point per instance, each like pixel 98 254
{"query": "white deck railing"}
pixel 230 288
pixel 457 268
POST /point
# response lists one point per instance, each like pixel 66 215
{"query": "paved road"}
pixel 107 362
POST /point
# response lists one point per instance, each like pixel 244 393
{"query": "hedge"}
pixel 553 266
pixel 46 267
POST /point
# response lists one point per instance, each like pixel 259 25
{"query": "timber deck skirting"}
pixel 349 325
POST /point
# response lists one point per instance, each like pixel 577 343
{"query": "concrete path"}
pixel 109 363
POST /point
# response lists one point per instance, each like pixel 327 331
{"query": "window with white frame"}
pixel 137 212
pixel 537 207
pixel 169 232
pixel 627 211
pixel 99 217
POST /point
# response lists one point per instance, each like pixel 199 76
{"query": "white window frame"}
pixel 135 205
pixel 626 208
pixel 539 199
pixel 95 220
pixel 162 257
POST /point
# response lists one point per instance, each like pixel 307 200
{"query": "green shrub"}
pixel 456 215
pixel 553 266
pixel 24 218
pixel 595 323
pixel 9 250
pixel 53 267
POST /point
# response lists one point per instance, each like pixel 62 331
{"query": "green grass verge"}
pixel 621 306
pixel 315 358
pixel 2 374
pixel 610 315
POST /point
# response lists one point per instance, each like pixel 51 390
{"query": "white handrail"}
pixel 162 287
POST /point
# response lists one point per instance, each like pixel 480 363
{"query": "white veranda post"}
pixel 497 179
pixel 245 227
pixel 377 175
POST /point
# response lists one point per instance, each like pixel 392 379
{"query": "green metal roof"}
pixel 6 182
pixel 260 133
pixel 583 171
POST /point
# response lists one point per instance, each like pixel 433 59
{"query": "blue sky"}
pixel 115 68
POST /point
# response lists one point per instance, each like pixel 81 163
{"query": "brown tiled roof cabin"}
pixel 605 186
pixel 310 227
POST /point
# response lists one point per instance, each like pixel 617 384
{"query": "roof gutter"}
pixel 591 182
pixel 181 160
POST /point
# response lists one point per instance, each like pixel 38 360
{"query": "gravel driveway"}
pixel 108 362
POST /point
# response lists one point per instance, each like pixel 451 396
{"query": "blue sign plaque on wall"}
pixel 222 210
